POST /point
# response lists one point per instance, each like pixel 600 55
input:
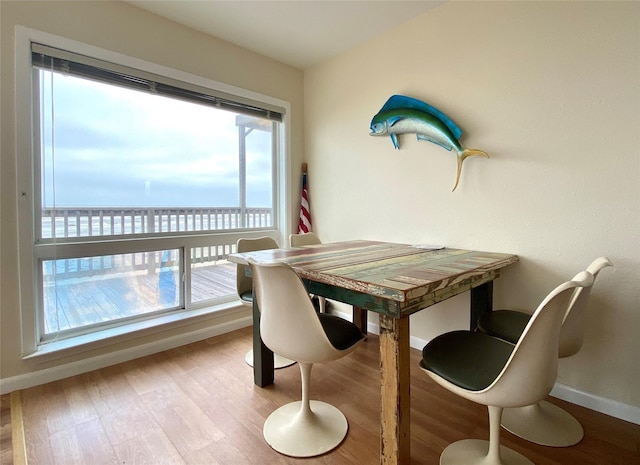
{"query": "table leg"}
pixel 481 302
pixel 360 319
pixel 262 355
pixel 395 385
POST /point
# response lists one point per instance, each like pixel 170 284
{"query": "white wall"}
pixel 551 90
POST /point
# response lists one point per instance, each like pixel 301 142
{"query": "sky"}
pixel 110 146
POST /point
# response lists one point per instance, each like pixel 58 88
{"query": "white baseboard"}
pixel 600 404
pixel 609 407
pixel 48 375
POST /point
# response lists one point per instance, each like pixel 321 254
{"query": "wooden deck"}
pixel 83 302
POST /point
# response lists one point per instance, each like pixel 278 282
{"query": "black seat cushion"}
pixel 341 333
pixel 247 296
pixel 467 359
pixel 505 324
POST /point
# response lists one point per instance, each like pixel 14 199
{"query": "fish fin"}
pixel 402 101
pixel 462 156
pixel 432 140
pixel 394 139
pixel 394 119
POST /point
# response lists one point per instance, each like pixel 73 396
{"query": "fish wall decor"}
pixel 404 115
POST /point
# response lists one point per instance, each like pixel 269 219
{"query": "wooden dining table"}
pixel 393 280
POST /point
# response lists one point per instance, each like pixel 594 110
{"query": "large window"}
pixel 141 185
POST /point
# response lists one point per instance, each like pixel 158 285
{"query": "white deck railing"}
pixel 96 221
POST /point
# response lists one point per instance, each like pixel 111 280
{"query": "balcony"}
pixel 85 292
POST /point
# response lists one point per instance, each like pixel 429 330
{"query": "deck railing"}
pixel 96 221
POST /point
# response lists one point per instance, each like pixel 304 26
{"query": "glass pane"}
pixel 89 291
pixel 118 161
pixel 212 276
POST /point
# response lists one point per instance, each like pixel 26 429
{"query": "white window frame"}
pixel 28 181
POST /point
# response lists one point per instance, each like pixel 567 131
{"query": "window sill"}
pixel 83 343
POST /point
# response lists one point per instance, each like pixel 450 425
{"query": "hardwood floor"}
pixel 6 448
pixel 197 404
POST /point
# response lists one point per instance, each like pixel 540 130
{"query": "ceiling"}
pixel 300 33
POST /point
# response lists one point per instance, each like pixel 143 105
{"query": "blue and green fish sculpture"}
pixel 405 115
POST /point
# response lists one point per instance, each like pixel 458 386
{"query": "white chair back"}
pixel 243 282
pixel 289 325
pixel 572 332
pixel 300 240
pixel 532 369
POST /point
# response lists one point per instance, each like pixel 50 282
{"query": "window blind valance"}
pixel 54 59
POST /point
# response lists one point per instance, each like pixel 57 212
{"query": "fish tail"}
pixel 462 156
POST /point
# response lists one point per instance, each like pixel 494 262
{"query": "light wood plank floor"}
pixel 6 448
pixel 197 404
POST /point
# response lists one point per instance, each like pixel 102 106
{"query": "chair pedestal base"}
pixel 278 360
pixel 291 431
pixel 474 452
pixel 543 423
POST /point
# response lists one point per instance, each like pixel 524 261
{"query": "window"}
pixel 142 183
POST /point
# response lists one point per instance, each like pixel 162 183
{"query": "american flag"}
pixel 304 224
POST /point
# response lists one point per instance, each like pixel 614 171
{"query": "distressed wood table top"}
pixel 395 279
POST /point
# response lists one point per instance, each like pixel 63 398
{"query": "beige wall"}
pixel 119 27
pixel 551 90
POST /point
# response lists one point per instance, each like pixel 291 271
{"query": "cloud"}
pixel 118 147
